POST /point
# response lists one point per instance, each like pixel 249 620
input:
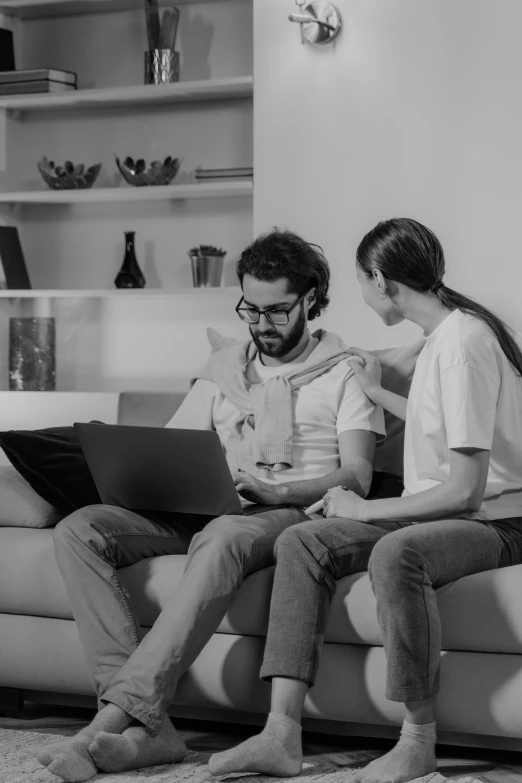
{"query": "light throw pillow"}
pixel 20 505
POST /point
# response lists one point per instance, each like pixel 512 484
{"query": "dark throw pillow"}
pixel 52 462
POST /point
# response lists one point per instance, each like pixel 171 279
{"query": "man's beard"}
pixel 283 345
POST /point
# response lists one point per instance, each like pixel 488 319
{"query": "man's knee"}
pixel 223 533
pixel 84 526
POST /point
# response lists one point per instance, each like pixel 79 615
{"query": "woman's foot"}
pixel 137 747
pixel 70 759
pixel 412 757
pixel 276 751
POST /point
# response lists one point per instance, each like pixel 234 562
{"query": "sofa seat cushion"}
pixel 30 582
pixel 480 613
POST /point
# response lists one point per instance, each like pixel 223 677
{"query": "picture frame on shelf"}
pixel 13 271
pixel 7 57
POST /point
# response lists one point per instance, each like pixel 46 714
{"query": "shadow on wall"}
pixel 196 35
pixel 149 266
pixel 78 336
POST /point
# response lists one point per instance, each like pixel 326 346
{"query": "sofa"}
pixel 480 702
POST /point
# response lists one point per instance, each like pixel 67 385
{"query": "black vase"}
pixel 130 274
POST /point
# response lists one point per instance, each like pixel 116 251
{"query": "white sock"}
pixel 412 757
pixel 424 733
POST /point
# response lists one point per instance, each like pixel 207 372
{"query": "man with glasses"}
pixel 293 423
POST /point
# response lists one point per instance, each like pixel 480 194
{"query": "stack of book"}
pixel 36 81
pixel 216 174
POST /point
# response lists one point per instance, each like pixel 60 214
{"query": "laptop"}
pixel 155 469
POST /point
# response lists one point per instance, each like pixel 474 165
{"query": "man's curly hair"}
pixel 283 254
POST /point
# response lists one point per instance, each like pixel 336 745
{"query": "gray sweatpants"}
pixel 140 673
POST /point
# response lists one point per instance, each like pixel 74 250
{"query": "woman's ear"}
pixel 378 278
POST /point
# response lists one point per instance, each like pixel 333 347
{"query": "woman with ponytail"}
pixel 460 513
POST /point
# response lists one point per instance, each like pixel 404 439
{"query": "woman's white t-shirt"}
pixel 465 394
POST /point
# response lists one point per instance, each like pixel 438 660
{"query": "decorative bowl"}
pixel 68 176
pixel 158 173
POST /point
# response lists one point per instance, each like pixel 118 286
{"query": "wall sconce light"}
pixel 320 21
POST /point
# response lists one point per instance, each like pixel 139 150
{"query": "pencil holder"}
pixel 161 66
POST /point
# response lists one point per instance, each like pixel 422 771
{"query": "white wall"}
pixel 414 111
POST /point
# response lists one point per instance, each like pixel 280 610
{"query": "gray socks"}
pixel 276 751
pixel 412 757
pixel 137 748
pixel 70 759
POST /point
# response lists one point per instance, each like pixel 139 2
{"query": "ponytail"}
pixel 452 300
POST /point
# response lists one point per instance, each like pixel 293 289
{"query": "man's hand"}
pixel 258 491
pixel 339 502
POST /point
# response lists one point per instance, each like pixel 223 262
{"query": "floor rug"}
pixel 18 764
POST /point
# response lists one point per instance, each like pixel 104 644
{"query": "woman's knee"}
pixel 391 558
pixel 296 539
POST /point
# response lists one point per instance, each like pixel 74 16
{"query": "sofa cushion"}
pixel 52 462
pixel 148 409
pixel 30 581
pixel 20 505
pixel 481 613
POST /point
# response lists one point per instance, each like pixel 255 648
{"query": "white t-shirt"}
pixel 330 404
pixel 465 393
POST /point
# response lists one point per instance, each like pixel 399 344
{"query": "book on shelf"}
pixel 38 74
pixel 230 173
pixel 28 88
pixel 13 271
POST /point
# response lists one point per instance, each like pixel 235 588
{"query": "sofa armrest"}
pixel 39 410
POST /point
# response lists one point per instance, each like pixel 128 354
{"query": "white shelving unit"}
pixel 31 9
pixel 206 120
pixel 128 194
pixel 122 294
pixel 135 95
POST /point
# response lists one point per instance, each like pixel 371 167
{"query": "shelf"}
pixel 134 95
pixel 127 194
pixel 31 9
pixel 118 293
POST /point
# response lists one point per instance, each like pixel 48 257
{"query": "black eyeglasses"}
pixel 276 316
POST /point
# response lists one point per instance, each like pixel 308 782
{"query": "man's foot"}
pixel 276 751
pixel 412 757
pixel 70 758
pixel 137 748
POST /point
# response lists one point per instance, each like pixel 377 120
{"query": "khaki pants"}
pixel 140 673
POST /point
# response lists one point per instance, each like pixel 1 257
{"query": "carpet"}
pixel 18 764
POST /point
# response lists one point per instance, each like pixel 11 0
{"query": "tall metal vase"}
pixel 130 274
pixel 32 354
